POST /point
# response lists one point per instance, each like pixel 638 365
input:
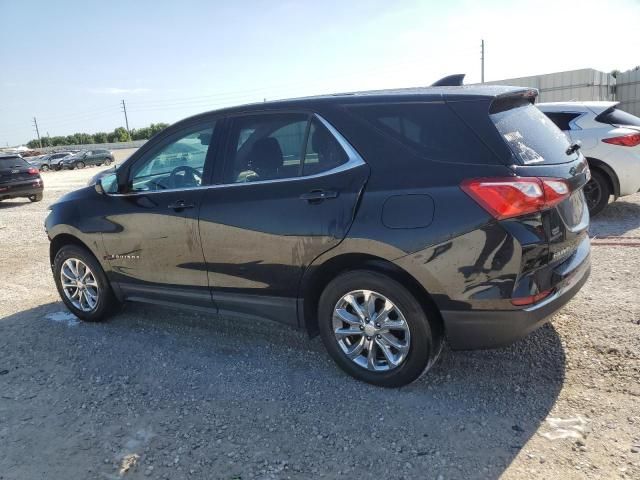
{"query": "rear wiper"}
pixel 574 147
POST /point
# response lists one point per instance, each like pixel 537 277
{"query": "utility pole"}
pixel 35 124
pixel 482 61
pixel 126 120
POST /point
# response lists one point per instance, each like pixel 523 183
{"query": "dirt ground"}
pixel 157 393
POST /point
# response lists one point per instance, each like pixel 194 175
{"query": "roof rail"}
pixel 454 80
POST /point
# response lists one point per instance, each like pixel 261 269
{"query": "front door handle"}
pixel 180 205
pixel 317 196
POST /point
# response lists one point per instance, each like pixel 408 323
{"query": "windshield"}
pixel 532 137
pixel 615 116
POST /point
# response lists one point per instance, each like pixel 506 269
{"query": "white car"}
pixel 610 140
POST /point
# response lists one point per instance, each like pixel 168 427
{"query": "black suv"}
pixel 18 178
pixel 88 157
pixel 385 221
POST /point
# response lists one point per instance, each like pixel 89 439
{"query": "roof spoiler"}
pixel 454 80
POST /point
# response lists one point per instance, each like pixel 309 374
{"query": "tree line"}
pixel 120 134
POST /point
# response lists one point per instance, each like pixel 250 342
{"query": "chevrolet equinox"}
pixel 387 222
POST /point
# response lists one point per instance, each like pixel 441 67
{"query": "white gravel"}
pixel 157 393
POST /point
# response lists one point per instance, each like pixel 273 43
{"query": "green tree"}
pixel 100 137
pixel 121 135
pixel 157 127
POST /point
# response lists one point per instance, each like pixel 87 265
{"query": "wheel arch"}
pixel 321 275
pixel 64 239
pixel 614 182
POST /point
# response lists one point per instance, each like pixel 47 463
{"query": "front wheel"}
pixel 82 284
pixel 375 329
pixel 44 168
pixel 597 192
pixel 107 162
pixel 80 165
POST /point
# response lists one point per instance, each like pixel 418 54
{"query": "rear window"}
pixel 13 162
pixel 615 116
pixel 432 130
pixel 532 137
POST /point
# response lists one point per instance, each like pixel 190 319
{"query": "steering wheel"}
pixel 179 181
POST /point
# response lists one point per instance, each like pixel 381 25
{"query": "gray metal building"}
pixel 582 85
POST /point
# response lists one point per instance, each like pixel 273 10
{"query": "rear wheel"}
pixel 107 162
pixel 82 284
pixel 36 198
pixel 80 165
pixel 44 168
pixel 597 192
pixel 375 329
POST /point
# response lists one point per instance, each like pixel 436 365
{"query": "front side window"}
pixel 178 164
pixel 279 146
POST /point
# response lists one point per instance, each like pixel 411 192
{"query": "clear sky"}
pixel 69 63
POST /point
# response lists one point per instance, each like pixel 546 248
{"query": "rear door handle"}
pixel 317 196
pixel 180 205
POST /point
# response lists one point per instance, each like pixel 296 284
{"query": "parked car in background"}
pixel 88 157
pixel 53 161
pixel 385 221
pixel 19 179
pixel 610 140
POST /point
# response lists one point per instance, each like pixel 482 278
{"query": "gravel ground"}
pixel 157 393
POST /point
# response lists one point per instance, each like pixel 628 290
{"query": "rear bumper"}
pixel 23 189
pixel 478 329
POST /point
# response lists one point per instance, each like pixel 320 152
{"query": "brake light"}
pixel 631 140
pixel 32 171
pixel 515 196
pixel 531 299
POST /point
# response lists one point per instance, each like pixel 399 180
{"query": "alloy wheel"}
pixel 79 284
pixel 371 330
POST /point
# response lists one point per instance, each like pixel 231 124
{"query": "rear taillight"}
pixel 515 196
pixel 631 140
pixel 531 299
pixel 32 171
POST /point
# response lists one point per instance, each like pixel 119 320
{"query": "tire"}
pixel 79 165
pixel 597 192
pixel 106 302
pixel 423 347
pixel 44 168
pixel 58 167
pixel 36 198
pixel 107 161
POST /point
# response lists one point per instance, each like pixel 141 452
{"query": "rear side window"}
pixel 13 162
pixel 532 137
pixel 615 116
pixel 279 146
pixel 432 130
pixel 562 119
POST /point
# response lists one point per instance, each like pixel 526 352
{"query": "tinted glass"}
pixel 13 162
pixel 615 116
pixel 532 137
pixel 323 151
pixel 432 130
pixel 177 165
pixel 561 119
pixel 266 147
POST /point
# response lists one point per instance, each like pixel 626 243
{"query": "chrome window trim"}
pixel 355 160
